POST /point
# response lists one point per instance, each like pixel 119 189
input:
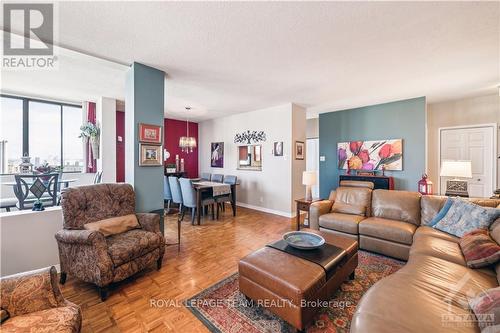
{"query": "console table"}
pixel 379 182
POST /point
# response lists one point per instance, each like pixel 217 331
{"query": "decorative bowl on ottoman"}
pixel 303 240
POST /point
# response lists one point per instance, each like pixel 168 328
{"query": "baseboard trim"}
pixel 266 210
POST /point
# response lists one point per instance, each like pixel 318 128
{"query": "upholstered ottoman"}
pixel 293 287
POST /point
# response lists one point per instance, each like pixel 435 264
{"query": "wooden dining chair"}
pixel 216 178
pixel 189 199
pixel 31 188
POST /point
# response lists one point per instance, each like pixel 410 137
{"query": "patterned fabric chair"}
pixel 91 257
pixel 33 303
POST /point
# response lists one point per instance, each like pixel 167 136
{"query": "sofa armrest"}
pixel 30 292
pixel 317 209
pixel 149 221
pixel 84 254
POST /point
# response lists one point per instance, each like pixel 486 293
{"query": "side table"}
pixel 303 205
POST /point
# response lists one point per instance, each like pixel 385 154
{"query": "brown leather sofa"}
pixel 430 293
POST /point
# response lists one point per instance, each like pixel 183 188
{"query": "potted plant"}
pixel 90 131
pixel 45 168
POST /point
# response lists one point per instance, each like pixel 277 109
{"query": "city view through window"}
pixel 49 134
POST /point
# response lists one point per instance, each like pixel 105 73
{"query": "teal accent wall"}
pixel 402 119
pixel 144 103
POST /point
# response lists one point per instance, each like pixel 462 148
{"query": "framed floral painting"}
pixel 371 155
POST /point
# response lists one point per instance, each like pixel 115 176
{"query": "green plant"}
pixel 89 131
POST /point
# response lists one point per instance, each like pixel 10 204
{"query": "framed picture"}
pixel 149 133
pixel 299 150
pixel 150 155
pixel 278 148
pixel 217 155
pixel 371 155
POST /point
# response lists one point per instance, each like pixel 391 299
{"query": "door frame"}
pixel 495 149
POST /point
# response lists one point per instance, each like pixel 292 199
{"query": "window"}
pixel 46 131
pixel 11 135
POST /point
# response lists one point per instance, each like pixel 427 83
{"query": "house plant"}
pixel 90 131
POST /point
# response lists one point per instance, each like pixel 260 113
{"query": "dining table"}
pixel 202 186
pixel 65 182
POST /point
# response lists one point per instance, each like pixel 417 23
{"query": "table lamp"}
pixel 309 179
pixel 456 169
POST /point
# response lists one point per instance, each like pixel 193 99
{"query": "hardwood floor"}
pixel 208 253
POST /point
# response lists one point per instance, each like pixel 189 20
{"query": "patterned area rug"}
pixel 222 308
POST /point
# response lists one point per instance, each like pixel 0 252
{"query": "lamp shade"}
pixel 459 169
pixel 309 178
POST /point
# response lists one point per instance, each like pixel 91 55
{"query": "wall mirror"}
pixel 250 157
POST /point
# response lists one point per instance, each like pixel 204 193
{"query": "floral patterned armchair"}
pixel 32 302
pixel 91 257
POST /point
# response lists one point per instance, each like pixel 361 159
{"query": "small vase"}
pixel 95 147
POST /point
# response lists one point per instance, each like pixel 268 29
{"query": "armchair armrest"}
pixel 30 292
pixel 149 221
pixel 317 209
pixel 84 254
pixel 83 236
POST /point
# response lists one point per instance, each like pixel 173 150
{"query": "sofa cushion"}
pixel 341 222
pixel 358 196
pixel 486 307
pixel 132 244
pixel 464 216
pixel 442 213
pixel 479 249
pixel 430 207
pixel 425 231
pixel 65 319
pixel 390 230
pixel 439 248
pixel 114 225
pixel 397 205
pixel 339 207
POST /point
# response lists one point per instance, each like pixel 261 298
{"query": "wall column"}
pixel 144 100
pixel 106 117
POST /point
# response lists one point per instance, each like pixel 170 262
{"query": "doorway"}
pixel 474 143
pixel 312 162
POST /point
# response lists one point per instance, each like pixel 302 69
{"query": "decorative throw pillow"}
pixel 439 216
pixel 463 217
pixel 339 207
pixel 479 249
pixel 114 225
pixel 486 307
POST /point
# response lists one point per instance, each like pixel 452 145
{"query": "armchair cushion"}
pixel 114 225
pixel 61 319
pixel 132 244
pixel 149 221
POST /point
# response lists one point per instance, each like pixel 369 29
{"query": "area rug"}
pixel 222 308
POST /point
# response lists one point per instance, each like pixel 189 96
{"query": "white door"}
pixel 312 160
pixel 475 144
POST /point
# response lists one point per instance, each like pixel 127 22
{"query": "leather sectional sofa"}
pixel 430 293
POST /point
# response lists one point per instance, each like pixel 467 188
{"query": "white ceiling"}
pixel 229 57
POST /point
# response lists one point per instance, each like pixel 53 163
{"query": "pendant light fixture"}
pixel 187 143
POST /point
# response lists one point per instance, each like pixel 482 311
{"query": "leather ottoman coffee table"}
pixel 293 287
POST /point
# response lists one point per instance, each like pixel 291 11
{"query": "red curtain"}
pixel 91 117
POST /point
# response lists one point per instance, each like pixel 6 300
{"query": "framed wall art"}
pixel 150 155
pixel 278 148
pixel 217 155
pixel 150 133
pixel 299 150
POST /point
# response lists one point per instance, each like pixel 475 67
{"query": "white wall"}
pixel 106 117
pixel 271 189
pixel 20 250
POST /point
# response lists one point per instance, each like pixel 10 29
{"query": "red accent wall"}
pixel 120 146
pixel 173 130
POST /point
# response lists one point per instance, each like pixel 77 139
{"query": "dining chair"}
pixel 98 177
pixel 189 199
pixel 175 190
pixel 216 178
pixel 32 188
pixel 167 193
pixel 221 201
pixel 206 176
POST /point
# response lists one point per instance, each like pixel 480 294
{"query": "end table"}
pixel 303 205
